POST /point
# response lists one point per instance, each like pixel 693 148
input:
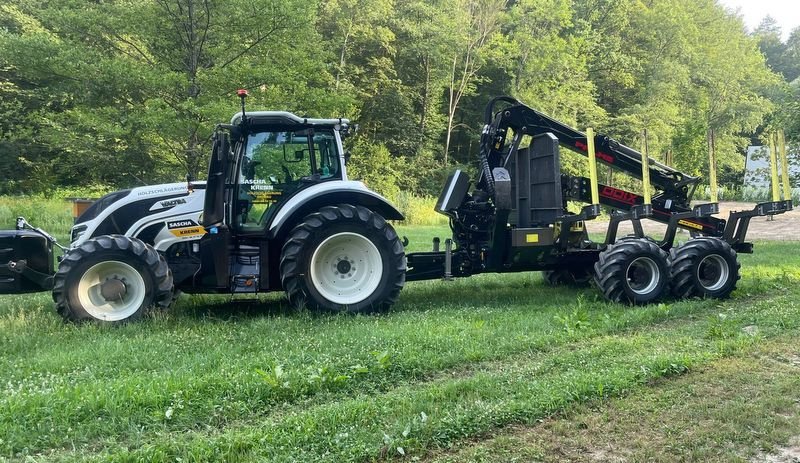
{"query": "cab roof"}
pixel 285 118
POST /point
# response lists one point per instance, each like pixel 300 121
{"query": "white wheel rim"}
pixel 346 268
pixel 642 275
pixel 97 305
pixel 712 272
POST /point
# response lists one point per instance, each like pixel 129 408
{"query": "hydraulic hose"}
pixel 486 142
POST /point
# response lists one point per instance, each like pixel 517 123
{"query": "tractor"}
pixel 278 212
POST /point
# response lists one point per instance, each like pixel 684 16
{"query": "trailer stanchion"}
pixel 592 166
pixel 645 169
pixel 773 164
pixel 787 187
pixel 712 166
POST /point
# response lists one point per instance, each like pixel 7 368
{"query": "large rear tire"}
pixel 633 271
pixel 704 267
pixel 343 259
pixel 111 279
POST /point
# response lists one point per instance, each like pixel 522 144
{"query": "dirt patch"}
pixel 783 227
pixel 788 454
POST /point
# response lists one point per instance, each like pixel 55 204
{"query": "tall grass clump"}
pixel 418 210
pixel 49 213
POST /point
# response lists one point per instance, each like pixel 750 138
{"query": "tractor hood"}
pixel 131 212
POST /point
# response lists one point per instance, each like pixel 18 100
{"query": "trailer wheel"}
pixel 633 271
pixel 343 259
pixel 704 267
pixel 572 276
pixel 111 279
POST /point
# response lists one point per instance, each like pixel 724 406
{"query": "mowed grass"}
pixel 221 380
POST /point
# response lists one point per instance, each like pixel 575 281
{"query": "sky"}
pixel 786 12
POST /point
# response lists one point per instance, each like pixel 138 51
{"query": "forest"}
pixel 120 93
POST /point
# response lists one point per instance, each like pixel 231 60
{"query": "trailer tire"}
pixel 704 267
pixel 129 267
pixel 343 259
pixel 571 276
pixel 633 271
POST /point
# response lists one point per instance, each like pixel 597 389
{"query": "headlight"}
pixel 77 232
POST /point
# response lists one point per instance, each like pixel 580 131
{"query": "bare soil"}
pixel 783 227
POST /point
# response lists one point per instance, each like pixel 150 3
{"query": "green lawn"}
pixel 215 380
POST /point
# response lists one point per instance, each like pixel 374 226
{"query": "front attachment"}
pixel 26 262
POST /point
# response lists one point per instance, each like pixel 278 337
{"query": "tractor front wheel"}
pixel 111 279
pixel 343 259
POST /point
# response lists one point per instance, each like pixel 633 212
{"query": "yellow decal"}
pixel 532 238
pixel 686 223
pixel 189 231
pixel 265 197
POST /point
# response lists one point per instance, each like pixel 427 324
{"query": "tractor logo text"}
pixel 618 195
pixel 185 228
pixel 181 224
pixel 172 202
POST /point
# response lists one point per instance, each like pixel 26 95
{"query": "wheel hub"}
pixel 344 266
pixel 712 272
pixel 643 275
pixel 113 289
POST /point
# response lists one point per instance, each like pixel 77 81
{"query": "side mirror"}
pixel 297 156
pixel 347 155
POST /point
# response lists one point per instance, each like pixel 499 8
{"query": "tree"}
pixel 477 22
pixel 145 81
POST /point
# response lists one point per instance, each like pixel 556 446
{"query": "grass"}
pixel 212 380
pixel 737 409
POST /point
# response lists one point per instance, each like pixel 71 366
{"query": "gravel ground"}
pixel 784 227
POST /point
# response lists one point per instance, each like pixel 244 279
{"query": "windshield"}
pixel 276 163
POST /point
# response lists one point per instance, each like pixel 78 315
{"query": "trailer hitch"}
pixel 42 279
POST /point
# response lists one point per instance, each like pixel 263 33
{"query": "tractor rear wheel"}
pixel 633 271
pixel 343 259
pixel 704 267
pixel 111 279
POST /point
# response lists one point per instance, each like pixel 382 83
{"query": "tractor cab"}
pixel 261 163
pixel 262 159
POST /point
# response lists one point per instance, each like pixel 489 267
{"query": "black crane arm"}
pixel 524 120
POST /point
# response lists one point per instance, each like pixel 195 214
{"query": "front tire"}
pixel 111 279
pixel 704 267
pixel 633 271
pixel 343 259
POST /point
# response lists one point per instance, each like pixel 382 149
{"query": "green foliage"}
pixel 127 93
pixel 374 165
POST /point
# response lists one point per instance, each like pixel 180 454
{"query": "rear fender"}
pixel 329 194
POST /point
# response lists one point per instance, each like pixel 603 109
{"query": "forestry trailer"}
pixel 278 212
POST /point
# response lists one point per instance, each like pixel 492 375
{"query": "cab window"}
pixel 276 163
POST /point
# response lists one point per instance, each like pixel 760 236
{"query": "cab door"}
pixel 275 165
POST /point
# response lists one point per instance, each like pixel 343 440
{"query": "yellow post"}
pixel 592 165
pixel 645 168
pixel 787 188
pixel 712 166
pixel 773 163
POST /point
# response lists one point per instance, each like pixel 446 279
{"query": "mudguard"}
pixel 313 198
